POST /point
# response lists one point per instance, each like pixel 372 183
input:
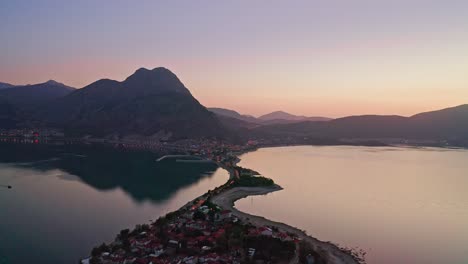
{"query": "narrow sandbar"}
pixel 327 250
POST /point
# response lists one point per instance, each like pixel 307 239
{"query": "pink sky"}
pixel 316 58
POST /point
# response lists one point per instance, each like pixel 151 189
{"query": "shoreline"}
pixel 225 197
pixel 329 251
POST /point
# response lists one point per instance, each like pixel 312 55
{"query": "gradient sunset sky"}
pixel 328 58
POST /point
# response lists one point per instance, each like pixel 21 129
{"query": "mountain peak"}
pixel 282 115
pixel 53 82
pixel 280 112
pixel 278 115
pixel 162 69
pixel 5 85
pixel 33 95
pixel 147 103
pixel 159 79
pixel 157 70
pixel 141 70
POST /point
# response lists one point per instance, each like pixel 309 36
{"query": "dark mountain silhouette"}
pixel 446 124
pixel 234 114
pixel 106 168
pixel 34 95
pixel 278 117
pixel 148 102
pixel 237 126
pixel 283 117
pixel 5 85
pixel 155 103
pixel 449 123
pixel 137 175
pixel 9 116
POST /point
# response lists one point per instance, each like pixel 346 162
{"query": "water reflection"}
pixel 67 199
pixel 104 168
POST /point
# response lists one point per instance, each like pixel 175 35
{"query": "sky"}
pixel 318 58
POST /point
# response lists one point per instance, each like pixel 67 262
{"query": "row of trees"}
pixel 253 181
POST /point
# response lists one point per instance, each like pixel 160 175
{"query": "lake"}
pixel 400 205
pixel 67 199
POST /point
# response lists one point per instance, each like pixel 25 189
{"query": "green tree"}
pixel 198 216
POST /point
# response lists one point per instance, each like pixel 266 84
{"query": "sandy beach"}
pixel 328 251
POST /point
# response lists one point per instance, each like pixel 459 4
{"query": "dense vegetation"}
pixel 253 181
pixel 306 252
pixel 249 178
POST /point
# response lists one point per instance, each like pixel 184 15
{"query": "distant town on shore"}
pixel 153 108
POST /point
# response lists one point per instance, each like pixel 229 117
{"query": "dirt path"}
pixel 327 250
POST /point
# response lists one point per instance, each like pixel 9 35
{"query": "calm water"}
pixel 401 205
pixel 66 201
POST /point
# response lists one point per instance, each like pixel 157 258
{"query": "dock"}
pixel 185 158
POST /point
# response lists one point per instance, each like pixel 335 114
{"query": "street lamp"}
pixel 6 186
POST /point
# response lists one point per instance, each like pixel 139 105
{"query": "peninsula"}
pixel 209 229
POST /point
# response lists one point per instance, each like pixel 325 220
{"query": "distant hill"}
pixel 10 116
pixel 278 117
pixel 5 85
pixel 155 103
pixel 147 103
pixel 445 124
pixel 283 117
pixel 451 123
pixel 34 95
pixel 234 114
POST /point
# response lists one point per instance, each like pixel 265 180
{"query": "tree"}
pixel 95 252
pixel 198 216
pixel 211 215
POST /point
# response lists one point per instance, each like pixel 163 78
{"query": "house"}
pixel 197 204
pixel 197 225
pixel 192 243
pixel 209 258
pixel 219 233
pixel 310 259
pixel 204 209
pixel 157 253
pixel 190 260
pixel 225 214
pixel 173 244
pixel 251 252
pixel 283 237
pixel 206 248
pixel 129 260
pixel 265 231
pixel 141 261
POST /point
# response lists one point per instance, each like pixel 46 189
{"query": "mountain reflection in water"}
pixel 67 199
pixel 105 168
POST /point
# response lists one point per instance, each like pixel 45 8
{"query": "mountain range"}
pixel 5 85
pixel 283 117
pixel 9 116
pixel 34 95
pixel 222 112
pixel 449 124
pixel 277 117
pixel 156 104
pixel 147 103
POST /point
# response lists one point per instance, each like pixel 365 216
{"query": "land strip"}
pixel 328 251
